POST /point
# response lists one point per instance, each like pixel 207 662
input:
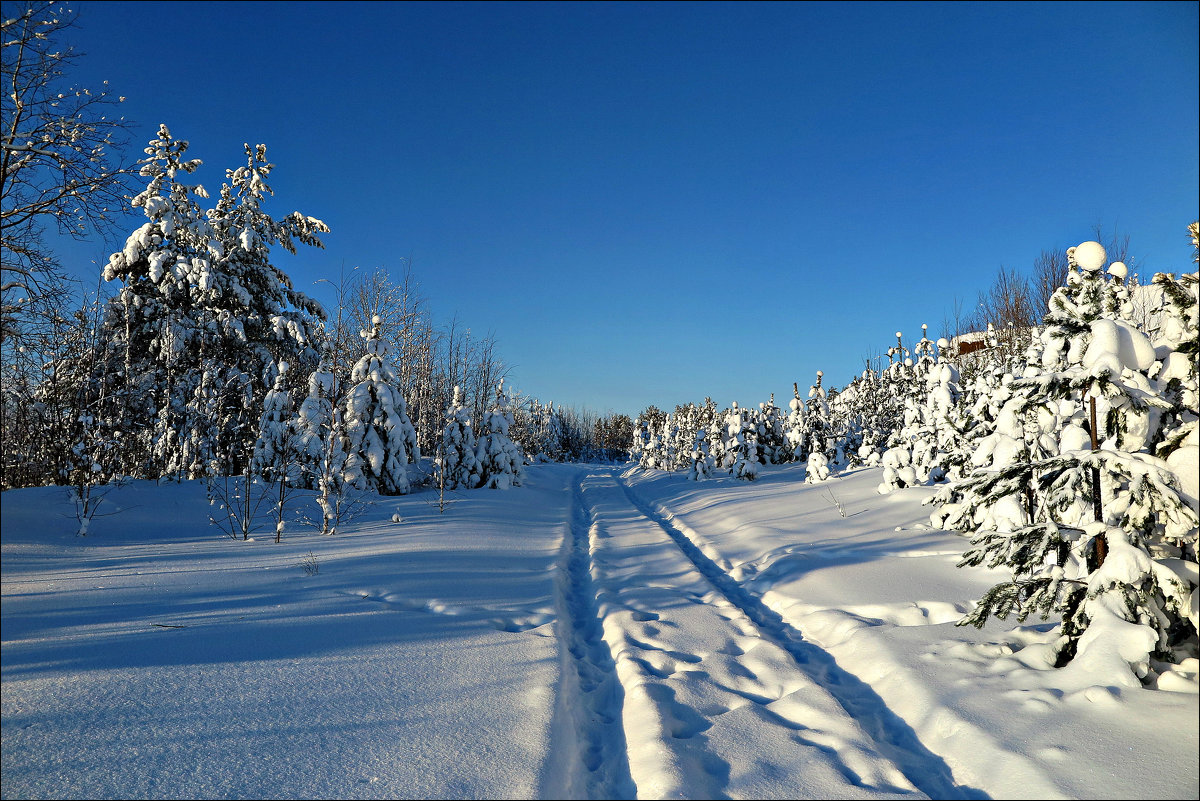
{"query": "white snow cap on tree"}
pixel 1088 256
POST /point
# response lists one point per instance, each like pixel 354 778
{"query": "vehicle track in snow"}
pixel 591 696
pixel 894 738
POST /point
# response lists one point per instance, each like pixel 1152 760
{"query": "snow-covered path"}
pixel 595 633
pixel 723 698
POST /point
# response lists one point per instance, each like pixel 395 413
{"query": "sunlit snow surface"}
pixel 598 632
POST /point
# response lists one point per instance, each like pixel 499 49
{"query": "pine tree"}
pixel 1067 494
pixel 817 466
pixel 741 451
pixel 498 456
pixel 154 321
pixel 772 443
pixel 275 448
pixel 459 465
pixel 797 428
pixel 314 425
pixel 203 315
pixel 701 461
pixel 380 439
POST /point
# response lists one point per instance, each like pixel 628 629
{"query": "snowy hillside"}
pixel 599 633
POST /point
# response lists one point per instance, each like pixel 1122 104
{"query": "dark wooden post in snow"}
pixel 1097 508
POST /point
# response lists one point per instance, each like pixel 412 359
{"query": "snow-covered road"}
pixel 719 696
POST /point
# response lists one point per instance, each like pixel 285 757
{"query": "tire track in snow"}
pixel 895 739
pixel 592 696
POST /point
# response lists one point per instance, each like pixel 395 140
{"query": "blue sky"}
pixel 651 203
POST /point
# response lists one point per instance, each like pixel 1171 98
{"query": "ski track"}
pixel 893 738
pixel 591 696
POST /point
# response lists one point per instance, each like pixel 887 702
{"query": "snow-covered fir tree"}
pixel 314 427
pixel 380 438
pixel 499 458
pixel 1177 380
pixel 741 449
pixel 718 438
pixel 702 463
pixel 549 441
pixel 153 321
pixel 817 467
pixel 871 394
pixel 275 448
pixel 321 448
pixel 203 315
pixel 921 449
pixel 770 431
pixel 1069 496
pixel 458 463
pixel 641 438
pixel 796 432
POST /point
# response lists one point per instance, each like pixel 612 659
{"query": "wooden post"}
pixel 1101 543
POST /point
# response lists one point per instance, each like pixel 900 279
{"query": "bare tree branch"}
pixel 61 162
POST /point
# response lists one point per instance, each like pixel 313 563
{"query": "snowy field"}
pixel 598 632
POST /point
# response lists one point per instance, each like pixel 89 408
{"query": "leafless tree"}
pixel 1049 273
pixel 61 159
pixel 1006 302
pixel 430 361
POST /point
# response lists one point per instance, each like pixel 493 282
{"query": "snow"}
pixel 598 632
pixel 1089 256
pixel 1115 345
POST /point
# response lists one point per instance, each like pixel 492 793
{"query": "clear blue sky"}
pixel 650 203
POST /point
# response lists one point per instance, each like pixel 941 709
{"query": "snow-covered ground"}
pixel 599 632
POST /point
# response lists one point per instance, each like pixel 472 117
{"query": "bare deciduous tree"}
pixel 61 159
pixel 1049 273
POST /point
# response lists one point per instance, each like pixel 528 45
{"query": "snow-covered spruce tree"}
pixel 275 447
pixel 796 432
pixel 153 322
pixel 741 450
pixel 321 450
pixel 313 426
pixel 702 461
pixel 846 426
pixel 1070 497
pixel 925 353
pixel 683 435
pixel 550 433
pixel 380 439
pixel 458 462
pixel 274 456
pixel 772 443
pixel 200 294
pixel 874 430
pixel 641 438
pixel 651 458
pixel 667 444
pixel 1179 343
pixel 817 466
pixel 265 320
pixel 921 448
pixel 499 458
pixel 718 440
pixel 984 385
